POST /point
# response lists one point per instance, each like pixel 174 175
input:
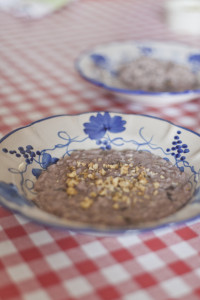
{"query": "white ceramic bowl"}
pixel 28 150
pixel 99 66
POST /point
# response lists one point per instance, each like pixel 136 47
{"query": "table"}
pixel 38 79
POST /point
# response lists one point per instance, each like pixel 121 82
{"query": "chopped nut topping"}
pixel 126 199
pixel 141 187
pixel 140 193
pixel 152 173
pixel 86 203
pixel 72 174
pixel 102 172
pixel 102 192
pixel 114 166
pixel 142 175
pixel 129 179
pixel 115 206
pixel 116 197
pixel 116 181
pixel 156 185
pixel 71 191
pixel 99 182
pixel 119 184
pixel 143 181
pixel 137 169
pixel 124 169
pixel 112 188
pixel 135 200
pixel 91 176
pixel 108 180
pixel 80 163
pixel 71 182
pixel 93 194
pixel 93 166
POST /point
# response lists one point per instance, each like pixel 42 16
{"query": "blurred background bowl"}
pixel 99 66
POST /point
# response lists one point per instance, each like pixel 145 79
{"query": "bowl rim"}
pixel 130 91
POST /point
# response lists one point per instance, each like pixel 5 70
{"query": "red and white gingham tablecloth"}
pixel 38 79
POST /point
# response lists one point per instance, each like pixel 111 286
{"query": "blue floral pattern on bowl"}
pixel 194 60
pixel 101 124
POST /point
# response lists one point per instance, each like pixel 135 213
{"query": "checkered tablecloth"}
pixel 38 79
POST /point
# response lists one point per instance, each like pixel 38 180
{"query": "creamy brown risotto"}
pixel 149 74
pixel 112 187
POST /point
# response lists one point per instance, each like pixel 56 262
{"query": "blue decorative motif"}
pixel 26 152
pixel 40 157
pixel 145 50
pixel 103 62
pixel 44 159
pixel 10 192
pixel 194 60
pixel 102 124
pixel 178 149
pixel 99 60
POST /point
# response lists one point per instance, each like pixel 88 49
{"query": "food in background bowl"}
pixel 156 75
pixel 101 66
pixel 112 187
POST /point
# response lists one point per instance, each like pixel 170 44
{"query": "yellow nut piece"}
pixel 71 191
pixel 71 182
pixel 115 206
pixel 86 203
pixel 93 194
pixel 102 172
pixel 72 174
pixel 91 176
pixel 102 192
pixel 156 185
pixel 124 169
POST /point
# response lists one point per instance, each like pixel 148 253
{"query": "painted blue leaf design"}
pixel 99 60
pixel 36 172
pixel 46 160
pixel 194 58
pixel 181 169
pixel 101 123
pixel 146 50
pixel 54 160
pixel 116 124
